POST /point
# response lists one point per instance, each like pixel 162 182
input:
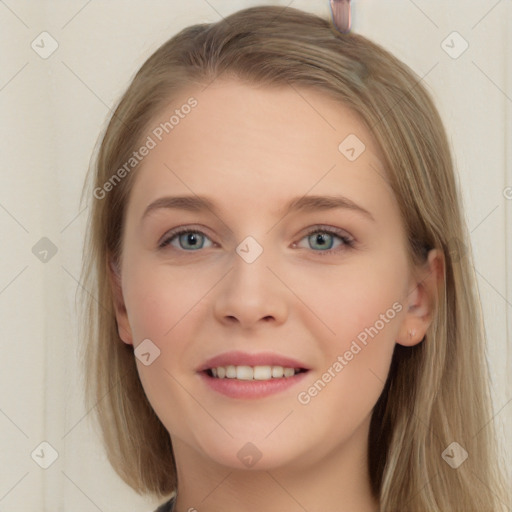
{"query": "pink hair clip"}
pixel 340 10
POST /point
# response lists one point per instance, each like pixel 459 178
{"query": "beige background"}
pixel 52 112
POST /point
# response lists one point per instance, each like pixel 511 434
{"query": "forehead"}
pixel 259 144
pixel 280 121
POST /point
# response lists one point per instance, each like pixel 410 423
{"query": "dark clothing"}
pixel 168 506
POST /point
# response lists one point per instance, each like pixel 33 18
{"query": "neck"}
pixel 337 480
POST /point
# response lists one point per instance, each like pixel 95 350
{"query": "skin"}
pixel 251 149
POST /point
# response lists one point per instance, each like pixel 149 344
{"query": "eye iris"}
pixel 319 237
pixel 189 237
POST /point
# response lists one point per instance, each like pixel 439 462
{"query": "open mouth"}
pixel 252 382
pixel 253 372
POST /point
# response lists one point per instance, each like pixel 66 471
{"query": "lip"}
pixel 239 358
pixel 250 389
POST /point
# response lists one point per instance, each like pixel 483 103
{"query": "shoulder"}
pixel 167 506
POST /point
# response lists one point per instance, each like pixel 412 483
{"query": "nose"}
pixel 252 293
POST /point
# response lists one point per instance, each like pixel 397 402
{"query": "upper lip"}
pixel 238 358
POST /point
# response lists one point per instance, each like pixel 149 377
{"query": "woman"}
pixel 233 361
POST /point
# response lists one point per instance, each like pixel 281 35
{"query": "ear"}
pixel 421 301
pixel 123 325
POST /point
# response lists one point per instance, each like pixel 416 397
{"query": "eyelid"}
pixel 329 229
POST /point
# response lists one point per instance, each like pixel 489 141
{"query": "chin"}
pixel 249 455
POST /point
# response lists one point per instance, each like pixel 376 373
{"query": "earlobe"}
pixel 412 337
pixel 422 300
pixel 123 325
pixel 417 319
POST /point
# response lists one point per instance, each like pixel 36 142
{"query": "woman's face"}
pixel 252 278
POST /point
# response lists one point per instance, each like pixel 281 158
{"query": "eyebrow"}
pixel 309 203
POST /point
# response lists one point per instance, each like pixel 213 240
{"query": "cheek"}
pixel 365 315
pixel 164 302
pixel 352 300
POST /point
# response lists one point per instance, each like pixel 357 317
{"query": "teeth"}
pixel 253 372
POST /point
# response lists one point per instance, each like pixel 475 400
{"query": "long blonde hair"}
pixel 437 392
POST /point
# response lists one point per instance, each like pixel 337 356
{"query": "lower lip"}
pixel 235 388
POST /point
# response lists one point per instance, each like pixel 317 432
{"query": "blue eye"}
pixel 185 236
pixel 318 236
pixel 194 239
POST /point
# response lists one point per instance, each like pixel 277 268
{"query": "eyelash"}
pixel 348 242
